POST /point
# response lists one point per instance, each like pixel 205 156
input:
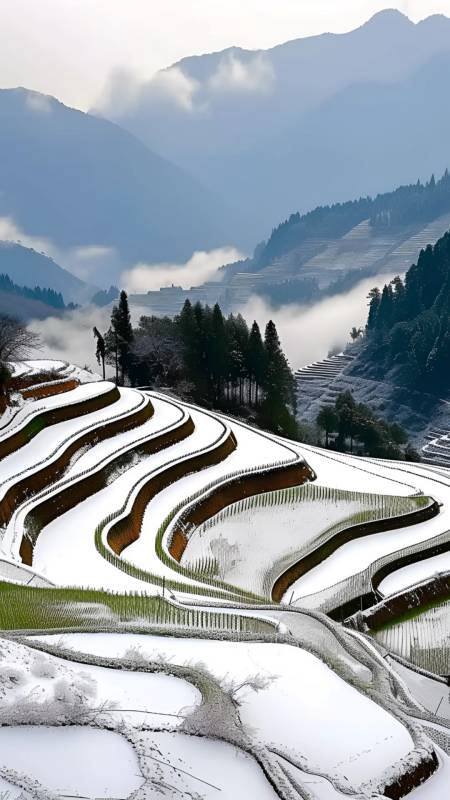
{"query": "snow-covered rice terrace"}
pixel 193 608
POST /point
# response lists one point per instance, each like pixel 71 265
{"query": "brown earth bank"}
pixel 50 389
pixel 315 557
pixel 405 784
pixel 30 485
pixel 80 490
pixel 46 418
pixel 127 530
pixel 416 599
pixel 233 491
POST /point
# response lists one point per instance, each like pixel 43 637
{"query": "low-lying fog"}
pixel 307 333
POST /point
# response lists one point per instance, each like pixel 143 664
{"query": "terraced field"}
pixel 205 608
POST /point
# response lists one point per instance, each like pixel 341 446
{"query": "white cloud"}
pixel 70 338
pixel 124 91
pixel 308 334
pixel 174 86
pixel 121 92
pixel 234 74
pixel 202 266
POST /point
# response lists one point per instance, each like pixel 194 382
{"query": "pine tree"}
pixel 255 362
pixel 187 326
pixel 374 298
pixel 278 385
pixel 120 337
pixel 217 352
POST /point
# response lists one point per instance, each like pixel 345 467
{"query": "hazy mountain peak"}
pixel 388 17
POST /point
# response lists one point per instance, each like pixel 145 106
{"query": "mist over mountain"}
pixel 82 182
pixel 26 267
pixel 308 122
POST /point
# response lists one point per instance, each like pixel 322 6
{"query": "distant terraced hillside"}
pixel 360 253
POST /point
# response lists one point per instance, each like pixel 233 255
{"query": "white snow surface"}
pixel 307 710
pixel 47 445
pixel 212 766
pixel 65 551
pixel 408 576
pixel 253 450
pixel 33 407
pixel 54 757
pixel 248 543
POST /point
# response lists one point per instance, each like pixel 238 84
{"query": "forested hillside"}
pixel 407 205
pixel 408 323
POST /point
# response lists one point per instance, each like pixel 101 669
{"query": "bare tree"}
pixel 159 356
pixel 17 342
pixel 254 683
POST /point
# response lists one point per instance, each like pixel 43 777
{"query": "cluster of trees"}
pixel 17 343
pixel 47 296
pixel 406 205
pixel 215 360
pixel 353 426
pixel 408 325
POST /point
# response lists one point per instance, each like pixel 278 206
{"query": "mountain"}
pixel 310 121
pixel 82 182
pixel 332 248
pixel 28 268
pixel 326 251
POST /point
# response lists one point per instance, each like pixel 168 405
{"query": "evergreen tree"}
pixel 218 352
pixel 278 384
pixel 374 298
pixel 327 420
pixel 255 363
pixel 188 326
pixel 119 338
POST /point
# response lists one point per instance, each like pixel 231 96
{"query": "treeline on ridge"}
pixel 407 205
pixel 48 296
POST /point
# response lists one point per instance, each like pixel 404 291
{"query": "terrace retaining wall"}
pixel 127 529
pixel 32 484
pixel 316 556
pixel 54 415
pixel 77 491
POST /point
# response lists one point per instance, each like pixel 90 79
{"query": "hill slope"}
pixel 26 267
pixel 81 181
pixel 299 108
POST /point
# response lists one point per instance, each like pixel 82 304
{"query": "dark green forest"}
pixel 216 361
pixel 47 296
pixel 351 426
pixel 408 326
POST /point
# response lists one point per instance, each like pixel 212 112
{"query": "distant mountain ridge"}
pixel 308 122
pixel 331 248
pixel 83 182
pixel 26 267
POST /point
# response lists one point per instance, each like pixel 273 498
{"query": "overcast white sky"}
pixel 69 47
